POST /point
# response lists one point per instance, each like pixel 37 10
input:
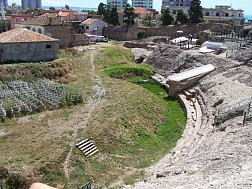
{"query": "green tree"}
pixel 167 18
pixel 106 15
pixel 148 21
pixel 195 12
pixel 129 15
pixel 30 10
pixel 51 8
pixel 181 17
pixel 101 9
pixel 67 6
pixel 113 17
pixel 141 34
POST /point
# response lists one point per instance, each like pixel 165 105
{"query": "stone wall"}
pixel 64 33
pixel 28 52
pixel 177 86
pixel 80 40
pixel 125 34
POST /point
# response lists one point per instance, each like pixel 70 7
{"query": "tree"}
pixel 141 34
pixel 51 8
pixel 106 15
pixel 181 17
pixel 166 18
pixel 30 10
pixel 113 17
pixel 67 6
pixel 129 15
pixel 195 11
pixel 101 9
pixel 148 21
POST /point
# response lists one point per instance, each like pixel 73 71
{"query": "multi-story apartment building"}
pixel 147 4
pixel 120 4
pixel 223 12
pixel 175 5
pixel 5 3
pixel 34 4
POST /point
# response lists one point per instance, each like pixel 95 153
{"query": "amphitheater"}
pixel 215 150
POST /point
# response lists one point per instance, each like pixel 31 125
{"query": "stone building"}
pixel 27 46
pixel 50 25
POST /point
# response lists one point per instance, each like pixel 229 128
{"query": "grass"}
pixel 135 125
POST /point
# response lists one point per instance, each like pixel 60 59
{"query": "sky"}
pixel 246 5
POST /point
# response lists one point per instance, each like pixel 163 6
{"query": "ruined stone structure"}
pixel 179 82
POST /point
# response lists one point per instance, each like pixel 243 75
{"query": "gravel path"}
pixel 93 102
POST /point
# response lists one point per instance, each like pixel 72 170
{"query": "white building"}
pixel 223 13
pixel 175 5
pixel 93 26
pixel 120 4
pixel 147 4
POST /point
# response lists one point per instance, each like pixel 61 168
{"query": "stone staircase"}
pixel 87 147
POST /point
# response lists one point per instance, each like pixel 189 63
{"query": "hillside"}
pixel 133 124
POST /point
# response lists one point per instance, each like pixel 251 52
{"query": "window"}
pixel 217 14
pixel 48 46
pixel 173 11
pixel 226 15
pixel 39 30
pixel 33 29
pixel 87 27
pixel 207 13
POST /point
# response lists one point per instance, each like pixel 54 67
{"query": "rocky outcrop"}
pixel 136 44
pixel 140 54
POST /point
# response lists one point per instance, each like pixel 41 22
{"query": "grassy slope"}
pixel 134 127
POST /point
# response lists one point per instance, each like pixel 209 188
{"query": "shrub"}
pixel 141 34
pixel 124 71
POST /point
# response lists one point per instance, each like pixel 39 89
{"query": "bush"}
pixel 141 34
pixel 17 181
pixel 124 72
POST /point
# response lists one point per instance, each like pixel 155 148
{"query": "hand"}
pixel 40 186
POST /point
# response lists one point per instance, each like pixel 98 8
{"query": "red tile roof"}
pixel 22 35
pixel 44 20
pixel 138 10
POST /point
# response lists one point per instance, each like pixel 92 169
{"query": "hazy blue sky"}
pixel 246 5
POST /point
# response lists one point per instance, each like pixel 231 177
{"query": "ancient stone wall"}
pixel 28 52
pixel 80 40
pixel 64 33
pixel 124 34
pixel 178 86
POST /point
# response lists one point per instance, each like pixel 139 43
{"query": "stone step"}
pixel 93 152
pixel 84 144
pixel 81 142
pixel 90 151
pixel 87 147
